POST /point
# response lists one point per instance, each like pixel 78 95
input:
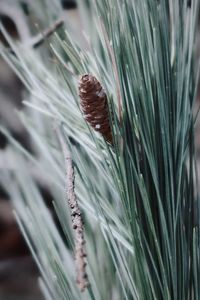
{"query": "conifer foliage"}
pixel 130 135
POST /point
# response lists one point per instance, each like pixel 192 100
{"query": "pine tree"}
pixel 127 195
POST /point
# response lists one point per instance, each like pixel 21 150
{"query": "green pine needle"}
pixel 139 198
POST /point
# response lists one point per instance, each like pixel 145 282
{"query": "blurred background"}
pixel 18 272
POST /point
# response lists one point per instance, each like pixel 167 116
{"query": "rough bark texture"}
pixel 94 105
pixel 77 222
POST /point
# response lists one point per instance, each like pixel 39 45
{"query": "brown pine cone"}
pixel 95 106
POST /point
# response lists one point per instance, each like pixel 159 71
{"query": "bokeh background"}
pixel 18 272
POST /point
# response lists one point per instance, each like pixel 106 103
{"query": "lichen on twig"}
pixel 77 221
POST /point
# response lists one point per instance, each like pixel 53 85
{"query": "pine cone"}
pixel 95 106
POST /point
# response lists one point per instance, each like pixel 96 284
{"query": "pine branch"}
pixel 145 193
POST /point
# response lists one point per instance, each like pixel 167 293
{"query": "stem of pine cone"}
pixel 112 56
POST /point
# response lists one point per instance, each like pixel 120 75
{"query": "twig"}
pixel 77 222
pixel 37 40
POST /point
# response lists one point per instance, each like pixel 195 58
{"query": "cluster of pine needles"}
pixel 127 198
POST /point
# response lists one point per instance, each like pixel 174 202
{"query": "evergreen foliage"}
pixel 139 196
